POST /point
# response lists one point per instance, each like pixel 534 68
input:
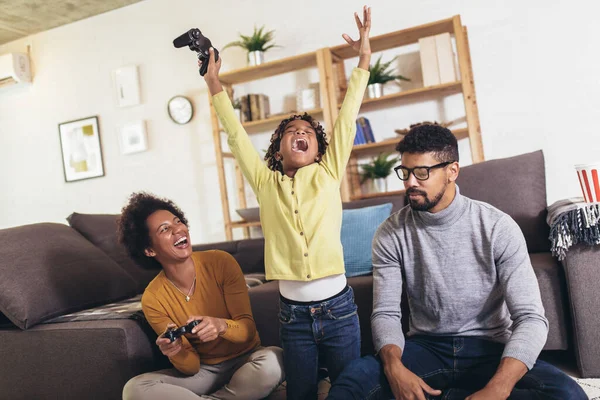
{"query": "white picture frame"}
pixel 81 149
pixel 133 138
pixel 127 86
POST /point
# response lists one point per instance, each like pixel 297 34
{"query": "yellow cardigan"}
pixel 301 217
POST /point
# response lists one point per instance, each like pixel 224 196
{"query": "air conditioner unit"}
pixel 14 69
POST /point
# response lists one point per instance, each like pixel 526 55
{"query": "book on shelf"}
pixel 429 63
pixel 360 136
pixel 366 129
pixel 445 58
pixel 438 62
pixel 255 107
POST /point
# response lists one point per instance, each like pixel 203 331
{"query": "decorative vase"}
pixel 256 58
pixel 375 90
pixel 238 113
pixel 380 185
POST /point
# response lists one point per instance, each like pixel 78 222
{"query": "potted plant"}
pixel 237 107
pixel 375 172
pixel 380 75
pixel 255 45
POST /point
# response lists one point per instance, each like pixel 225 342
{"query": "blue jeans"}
pixel 458 366
pixel 327 331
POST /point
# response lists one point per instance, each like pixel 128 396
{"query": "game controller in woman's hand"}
pixel 175 333
pixel 198 43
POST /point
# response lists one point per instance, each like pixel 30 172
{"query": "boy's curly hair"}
pixel 277 165
pixel 132 230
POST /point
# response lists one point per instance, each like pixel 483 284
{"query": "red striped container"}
pixel 589 181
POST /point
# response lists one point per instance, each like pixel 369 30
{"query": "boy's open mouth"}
pixel 299 145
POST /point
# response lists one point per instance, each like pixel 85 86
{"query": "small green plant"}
pixel 381 73
pixel 237 104
pixel 380 167
pixel 259 41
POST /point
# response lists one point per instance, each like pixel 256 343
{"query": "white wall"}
pixel 536 68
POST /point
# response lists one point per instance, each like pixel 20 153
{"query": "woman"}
pixel 221 357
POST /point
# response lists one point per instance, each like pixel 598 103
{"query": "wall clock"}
pixel 180 110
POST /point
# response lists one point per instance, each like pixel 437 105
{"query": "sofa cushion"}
pixel 101 230
pixel 49 269
pixel 358 228
pixel 517 186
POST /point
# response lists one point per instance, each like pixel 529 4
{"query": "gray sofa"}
pixel 48 270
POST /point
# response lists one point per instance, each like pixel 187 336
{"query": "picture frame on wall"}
pixel 81 149
pixel 127 86
pixel 132 138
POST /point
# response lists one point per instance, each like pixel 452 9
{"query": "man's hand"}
pixel 212 73
pixel 362 46
pixel 166 347
pixel 488 393
pixel 209 328
pixel 406 385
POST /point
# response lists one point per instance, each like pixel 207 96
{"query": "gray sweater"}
pixel 467 273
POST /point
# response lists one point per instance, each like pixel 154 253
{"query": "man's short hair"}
pixel 430 138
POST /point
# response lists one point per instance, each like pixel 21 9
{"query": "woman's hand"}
pixel 362 46
pixel 209 328
pixel 211 77
pixel 166 347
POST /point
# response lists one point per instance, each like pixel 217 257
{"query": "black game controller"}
pixel 198 43
pixel 175 333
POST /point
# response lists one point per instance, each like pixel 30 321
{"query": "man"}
pixel 477 322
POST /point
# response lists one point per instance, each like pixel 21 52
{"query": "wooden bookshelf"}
pixel 329 62
pixel 244 224
pixel 419 94
pixel 377 195
pixel 269 69
pixel 256 126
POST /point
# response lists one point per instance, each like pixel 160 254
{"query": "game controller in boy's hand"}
pixel 198 43
pixel 175 333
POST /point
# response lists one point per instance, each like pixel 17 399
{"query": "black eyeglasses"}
pixel 421 173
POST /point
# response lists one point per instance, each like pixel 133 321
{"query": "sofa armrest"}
pixel 582 266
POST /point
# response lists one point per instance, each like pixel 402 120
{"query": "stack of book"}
pixel 437 60
pixel 255 107
pixel 364 133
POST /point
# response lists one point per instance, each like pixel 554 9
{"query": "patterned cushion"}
pixel 358 228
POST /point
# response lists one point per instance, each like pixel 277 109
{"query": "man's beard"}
pixel 427 204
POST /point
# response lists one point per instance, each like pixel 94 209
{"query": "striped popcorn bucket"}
pixel 589 181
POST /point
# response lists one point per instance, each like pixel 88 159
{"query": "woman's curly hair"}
pixel 132 230
pixel 275 164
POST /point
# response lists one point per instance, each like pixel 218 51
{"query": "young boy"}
pixel 301 215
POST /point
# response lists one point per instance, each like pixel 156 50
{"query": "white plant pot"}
pixel 380 185
pixel 375 90
pixel 238 112
pixel 374 186
pixel 256 58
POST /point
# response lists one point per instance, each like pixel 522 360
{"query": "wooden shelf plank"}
pixel 390 144
pixel 269 69
pixel 275 119
pixel 398 38
pixel 244 224
pixel 227 155
pixel 445 89
pixel 377 195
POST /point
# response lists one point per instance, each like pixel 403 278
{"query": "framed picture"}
pixel 127 85
pixel 81 151
pixel 132 138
